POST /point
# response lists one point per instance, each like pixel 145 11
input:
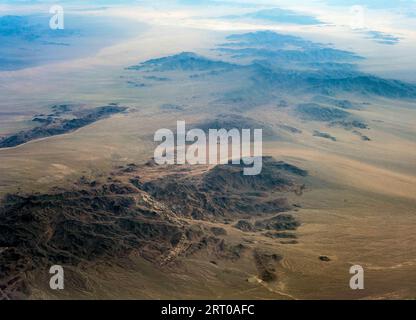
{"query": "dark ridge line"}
pixel 57 126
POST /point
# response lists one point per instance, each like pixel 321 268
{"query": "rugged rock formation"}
pixel 143 209
pixel 55 125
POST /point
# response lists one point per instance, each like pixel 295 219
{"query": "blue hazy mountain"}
pixel 28 40
pixel 306 56
pixel 267 39
pixel 383 38
pixel 314 67
pixel 305 68
pixel 283 47
pixel 314 111
pixel 365 85
pixel 31 28
pixel 186 61
pixel 331 82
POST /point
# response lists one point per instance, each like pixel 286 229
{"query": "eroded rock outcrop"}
pixel 148 210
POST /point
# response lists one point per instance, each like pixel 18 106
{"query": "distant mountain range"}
pixel 287 63
pixel 186 61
